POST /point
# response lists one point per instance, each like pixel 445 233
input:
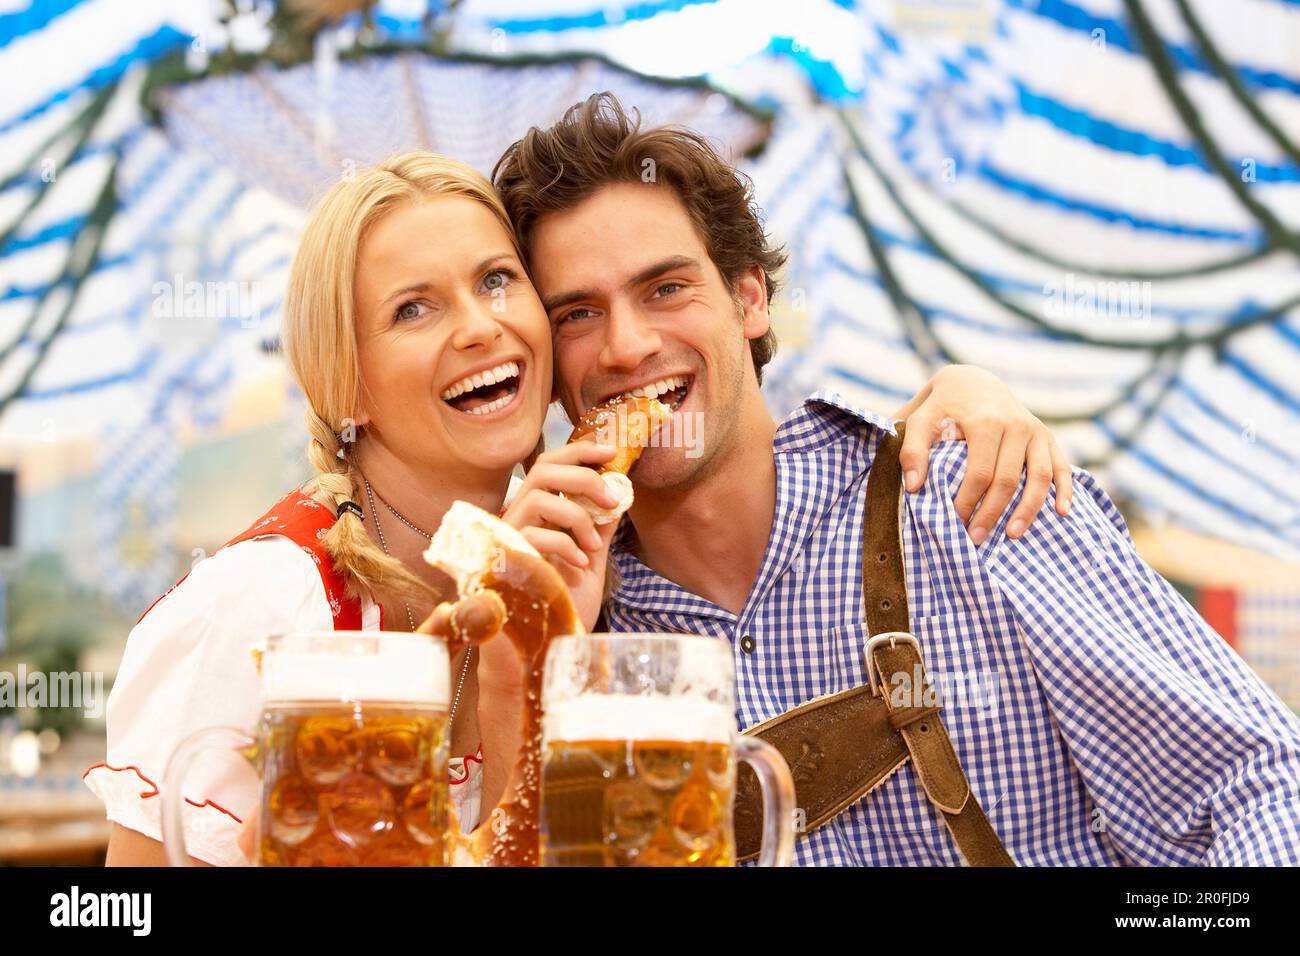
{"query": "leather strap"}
pixel 843 746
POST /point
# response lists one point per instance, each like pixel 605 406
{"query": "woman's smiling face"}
pixel 454 346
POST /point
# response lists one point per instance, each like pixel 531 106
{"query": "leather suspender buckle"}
pixel 892 638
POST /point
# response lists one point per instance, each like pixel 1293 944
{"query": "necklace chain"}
pixel 398 515
pixel 370 496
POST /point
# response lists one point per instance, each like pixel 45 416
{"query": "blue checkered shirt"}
pixel 1098 718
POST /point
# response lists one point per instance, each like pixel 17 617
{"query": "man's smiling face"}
pixel 635 301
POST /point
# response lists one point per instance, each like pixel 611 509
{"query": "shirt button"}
pixel 747 644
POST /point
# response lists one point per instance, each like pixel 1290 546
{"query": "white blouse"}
pixel 189 665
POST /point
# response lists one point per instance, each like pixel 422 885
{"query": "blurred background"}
pixel 1098 200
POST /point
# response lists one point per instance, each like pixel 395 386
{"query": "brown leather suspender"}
pixel 843 746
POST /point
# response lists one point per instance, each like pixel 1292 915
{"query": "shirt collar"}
pixel 821 418
pixel 824 418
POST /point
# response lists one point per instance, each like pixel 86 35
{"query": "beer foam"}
pixel 638 717
pixel 413 672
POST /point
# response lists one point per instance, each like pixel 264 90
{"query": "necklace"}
pixel 399 516
pixel 379 529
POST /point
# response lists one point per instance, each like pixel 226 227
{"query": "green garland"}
pixel 907 306
pixel 1129 275
pixel 1233 82
pixel 918 332
pixel 83 120
pixel 917 326
pixel 83 125
pixel 81 261
pixel 1154 48
pixel 1166 353
pixel 1179 341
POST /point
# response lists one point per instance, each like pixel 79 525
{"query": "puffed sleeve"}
pixel 189 665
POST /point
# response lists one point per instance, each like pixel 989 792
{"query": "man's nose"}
pixel 476 325
pixel 629 339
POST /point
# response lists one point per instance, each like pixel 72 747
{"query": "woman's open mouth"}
pixel 486 392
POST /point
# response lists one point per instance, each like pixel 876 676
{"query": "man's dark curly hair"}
pixel 597 144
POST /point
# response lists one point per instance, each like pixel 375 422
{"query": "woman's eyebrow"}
pixel 418 287
pixel 425 286
pixel 493 260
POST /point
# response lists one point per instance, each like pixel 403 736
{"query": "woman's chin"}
pixel 500 458
pixel 496 446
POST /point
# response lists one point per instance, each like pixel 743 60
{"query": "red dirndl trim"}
pixel 304 521
pixel 476 757
pixel 154 792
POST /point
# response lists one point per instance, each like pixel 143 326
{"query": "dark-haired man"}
pixel 1098 719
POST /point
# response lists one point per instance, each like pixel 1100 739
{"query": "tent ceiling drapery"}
pixel 277 129
pixel 985 196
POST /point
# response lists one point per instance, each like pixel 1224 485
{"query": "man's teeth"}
pixel 655 389
pixel 491 406
pixel 490 377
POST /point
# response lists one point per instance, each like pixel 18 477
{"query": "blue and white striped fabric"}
pixel 1034 141
pixel 1099 720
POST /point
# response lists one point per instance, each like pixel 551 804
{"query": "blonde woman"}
pixel 425 357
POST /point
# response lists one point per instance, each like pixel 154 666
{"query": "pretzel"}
pixel 630 420
pixel 505 587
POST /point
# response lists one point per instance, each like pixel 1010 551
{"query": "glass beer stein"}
pixel 351 749
pixel 639 750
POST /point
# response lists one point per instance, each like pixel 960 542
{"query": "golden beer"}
pixel 351 751
pixel 639 753
pixel 358 784
pixel 637 803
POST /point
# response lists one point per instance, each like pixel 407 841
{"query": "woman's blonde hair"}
pixel 320 342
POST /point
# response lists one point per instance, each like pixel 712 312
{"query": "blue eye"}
pixel 574 314
pixel 671 286
pixel 498 279
pixel 409 311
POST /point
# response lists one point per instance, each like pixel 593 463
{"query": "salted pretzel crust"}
pixel 507 588
pixel 629 422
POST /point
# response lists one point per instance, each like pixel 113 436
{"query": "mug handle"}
pixel 778 799
pixel 178 768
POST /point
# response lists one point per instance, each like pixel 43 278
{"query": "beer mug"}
pixel 351 750
pixel 639 749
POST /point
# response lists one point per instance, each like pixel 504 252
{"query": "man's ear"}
pixel 751 289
